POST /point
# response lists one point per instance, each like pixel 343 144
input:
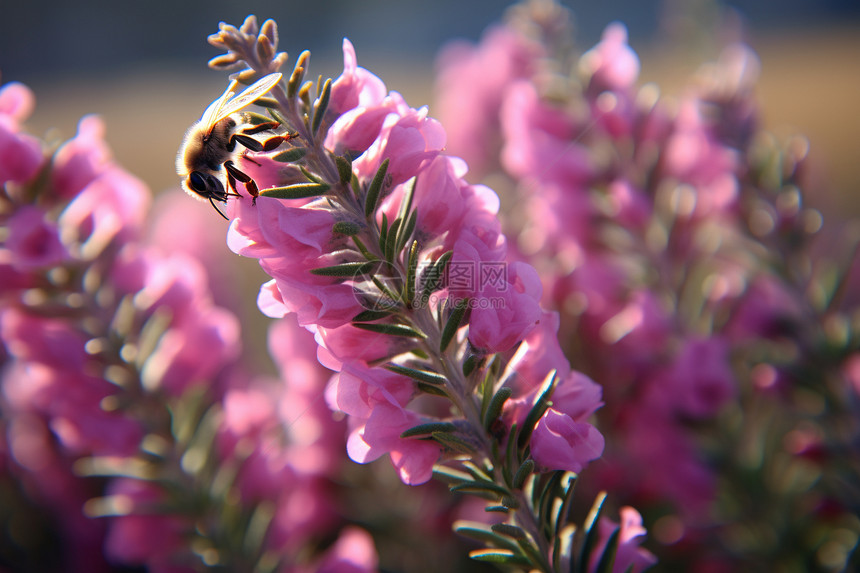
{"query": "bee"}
pixel 210 144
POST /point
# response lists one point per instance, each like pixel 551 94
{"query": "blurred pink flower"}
pixel 630 557
pixel 560 443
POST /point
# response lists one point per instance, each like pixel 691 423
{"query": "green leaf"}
pixel 497 509
pixel 454 442
pixel 480 532
pixel 429 428
pixel 607 559
pixel 525 470
pixel 374 189
pixel 453 324
pixel 450 475
pixel 297 191
pixel 407 230
pixel 538 409
pixel 312 177
pixel 502 556
pixel 290 155
pixel 391 240
pixel 370 315
pixel 411 268
pixel 363 249
pixel 591 531
pixel 267 102
pixel 298 75
pixel 348 228
pixel 390 329
pixel 432 389
pixel 344 269
pixel 481 485
pixel 494 408
pixel 567 499
pixel 344 168
pixel 509 530
pixel 434 276
pixel 425 376
pixel 321 105
pixel 408 195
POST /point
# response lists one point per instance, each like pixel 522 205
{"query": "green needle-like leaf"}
pixel 344 270
pixel 480 532
pixel 607 559
pixel 499 556
pixel 452 325
pixel 540 407
pixel 509 530
pixel 591 531
pixel 321 105
pixel 374 189
pixel 297 191
pixel 290 155
pixel 429 428
pixel 346 228
pixel 525 470
pixel 421 375
pixel 344 168
pixel 494 408
pixel 390 329
pixel 391 240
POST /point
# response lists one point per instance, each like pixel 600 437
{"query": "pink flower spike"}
pixel 559 443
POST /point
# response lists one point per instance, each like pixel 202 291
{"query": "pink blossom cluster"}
pixel 101 333
pixel 562 156
pixel 655 235
pixel 293 237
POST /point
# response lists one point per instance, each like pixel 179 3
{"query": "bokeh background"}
pixel 142 65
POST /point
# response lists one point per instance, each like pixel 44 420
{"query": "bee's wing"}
pixel 251 94
pixel 214 110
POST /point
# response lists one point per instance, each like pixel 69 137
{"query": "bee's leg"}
pixel 250 186
pixel 275 142
pixel 245 140
pixel 265 126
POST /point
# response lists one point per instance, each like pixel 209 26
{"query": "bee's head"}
pixel 206 185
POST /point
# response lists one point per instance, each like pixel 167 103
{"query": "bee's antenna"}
pixel 226 218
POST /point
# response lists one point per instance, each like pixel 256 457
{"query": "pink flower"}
pixel 358 389
pixel 471 84
pixel 20 154
pixel 611 64
pixel 541 141
pixel 506 309
pixel 560 443
pixel 701 379
pixel 380 434
pixel 353 552
pixel 629 557
pixel 81 160
pixel 410 140
pixel 33 241
pixel 112 206
pixel 16 101
pixel 355 87
pixel 144 536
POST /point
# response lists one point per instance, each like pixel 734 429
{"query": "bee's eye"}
pixel 197 182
